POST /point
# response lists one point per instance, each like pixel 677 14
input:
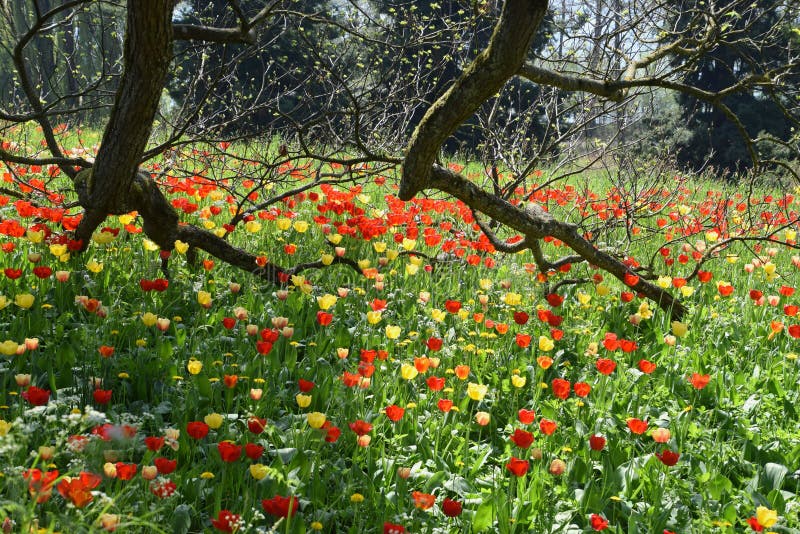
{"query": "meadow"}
pixel 444 388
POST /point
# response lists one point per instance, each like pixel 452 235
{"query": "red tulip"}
pixel 517 467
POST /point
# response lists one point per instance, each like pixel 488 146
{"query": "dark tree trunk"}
pixel 115 185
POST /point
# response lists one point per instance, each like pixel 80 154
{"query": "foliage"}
pixel 716 140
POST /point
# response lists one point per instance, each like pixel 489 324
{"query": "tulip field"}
pixel 434 385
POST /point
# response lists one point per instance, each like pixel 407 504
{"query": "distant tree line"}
pixel 323 55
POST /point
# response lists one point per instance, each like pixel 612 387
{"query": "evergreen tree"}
pixel 715 139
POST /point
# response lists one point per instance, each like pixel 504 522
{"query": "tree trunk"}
pixel 482 79
pixel 114 185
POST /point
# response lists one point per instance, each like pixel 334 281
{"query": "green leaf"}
pixel 181 519
pixel 772 478
pixel 718 486
pixel 484 516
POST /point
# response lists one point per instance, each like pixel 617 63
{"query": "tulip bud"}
pixel 46 453
pixel 557 467
pixel 280 322
pixel 149 472
pixel 110 470
pixel 482 418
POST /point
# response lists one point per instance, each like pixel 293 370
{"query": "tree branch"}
pixel 484 77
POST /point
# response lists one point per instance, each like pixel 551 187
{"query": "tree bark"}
pixel 115 185
pixel 484 77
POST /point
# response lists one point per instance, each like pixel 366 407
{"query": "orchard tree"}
pixel 605 55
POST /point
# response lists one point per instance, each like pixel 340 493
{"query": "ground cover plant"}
pixel 428 384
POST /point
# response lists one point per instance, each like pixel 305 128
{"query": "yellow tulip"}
pixel 24 300
pixel 126 219
pixel 303 401
pixel 379 246
pixel 283 223
pixel 300 226
pixel 58 250
pixel 518 381
pixel 766 517
pixel 149 246
pixel 602 290
pixel 8 347
pixel 408 371
pixel 373 317
pixel 103 238
pixel 409 244
pixel 326 301
pixel 476 392
pixel 315 419
pixel 485 284
pixel 149 319
pixel 204 298
pixel 545 344
pixel 213 420
pixel 252 226
pixel 512 299
pixel 679 329
pixel 5 426
pixel 583 298
pixel 438 315
pixel 335 238
pixel 194 366
pixel 34 237
pixel 645 311
pixel 4 301
pixel 392 254
pixel 181 247
pixel 94 266
pixel 258 471
pixel 411 269
pixel 327 259
pixel 392 331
